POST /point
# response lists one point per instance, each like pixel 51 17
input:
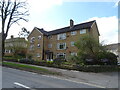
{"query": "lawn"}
pixel 29 68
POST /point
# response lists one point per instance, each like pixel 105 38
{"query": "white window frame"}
pixel 58 54
pixel 61 36
pixel 73 54
pixel 72 43
pixel 49 45
pixel 38 45
pixel 49 37
pixel 58 46
pixel 32 39
pixel 39 37
pixel 6 51
pixel 32 47
pixel 73 33
pixel 38 54
pixel 83 31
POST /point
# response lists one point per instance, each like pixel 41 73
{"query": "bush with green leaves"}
pixel 27 61
pixel 58 61
pixel 75 60
pixel 90 49
pixel 111 58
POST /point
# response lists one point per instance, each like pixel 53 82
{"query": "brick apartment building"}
pixel 114 48
pixel 48 45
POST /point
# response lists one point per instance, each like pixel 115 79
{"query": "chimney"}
pixel 71 23
pixel 12 36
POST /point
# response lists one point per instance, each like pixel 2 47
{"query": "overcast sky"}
pixel 54 14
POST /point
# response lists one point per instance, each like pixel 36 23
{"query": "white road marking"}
pixel 75 81
pixel 16 83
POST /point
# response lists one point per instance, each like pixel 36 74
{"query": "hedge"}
pixel 85 68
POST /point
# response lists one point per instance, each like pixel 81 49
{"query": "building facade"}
pixel 15 44
pixel 57 43
pixel 114 48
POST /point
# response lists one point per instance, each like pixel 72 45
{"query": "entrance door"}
pixel 49 57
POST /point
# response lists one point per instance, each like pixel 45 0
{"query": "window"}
pixel 61 36
pixel 73 33
pixel 61 46
pixel 83 31
pixel 6 51
pixel 73 54
pixel 61 55
pixel 49 37
pixel 38 45
pixel 49 45
pixel 39 37
pixel 9 51
pixel 31 47
pixel 32 39
pixel 38 55
pixel 72 43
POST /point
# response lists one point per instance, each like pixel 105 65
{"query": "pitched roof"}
pixel 68 29
pixel 113 46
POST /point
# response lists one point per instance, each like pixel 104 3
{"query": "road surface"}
pixel 13 78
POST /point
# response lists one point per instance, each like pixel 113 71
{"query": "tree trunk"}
pixel 3 44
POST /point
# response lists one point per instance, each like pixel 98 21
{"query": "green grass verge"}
pixel 29 68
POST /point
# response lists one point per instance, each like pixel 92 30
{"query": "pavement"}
pixel 13 78
pixel 105 79
pixel 100 80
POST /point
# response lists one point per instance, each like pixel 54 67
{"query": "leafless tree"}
pixel 24 33
pixel 11 12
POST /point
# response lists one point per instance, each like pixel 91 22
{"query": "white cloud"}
pixel 43 5
pixel 108 28
pixel 36 7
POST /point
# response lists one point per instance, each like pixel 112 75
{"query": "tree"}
pixel 24 32
pixel 88 48
pixel 17 46
pixel 11 12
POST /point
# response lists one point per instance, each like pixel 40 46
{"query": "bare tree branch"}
pixel 11 12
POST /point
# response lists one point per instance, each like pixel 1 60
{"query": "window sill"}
pixel 61 49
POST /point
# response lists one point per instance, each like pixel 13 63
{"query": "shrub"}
pixel 27 61
pixel 10 58
pixel 107 58
pixel 58 61
pixel 97 68
pixel 75 60
pixel 50 62
pixel 112 58
pixel 29 56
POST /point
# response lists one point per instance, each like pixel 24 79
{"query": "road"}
pixel 13 78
